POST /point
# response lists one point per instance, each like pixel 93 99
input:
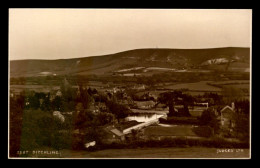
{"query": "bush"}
pixel 176 142
pixel 180 120
pixel 203 131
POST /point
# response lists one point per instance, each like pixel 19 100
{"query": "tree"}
pixel 104 118
pixel 169 99
pixel 34 101
pixel 187 100
pixel 242 126
pixel 119 110
pixel 38 130
pixel 56 103
pixel 242 106
pixel 15 120
pixel 231 94
pixel 209 118
pixel 46 104
pixel 84 97
pixel 92 91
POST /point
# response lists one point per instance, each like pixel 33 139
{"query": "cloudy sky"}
pixel 72 33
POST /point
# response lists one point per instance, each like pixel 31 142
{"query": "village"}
pixel 103 117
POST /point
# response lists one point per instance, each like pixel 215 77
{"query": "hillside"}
pixel 232 59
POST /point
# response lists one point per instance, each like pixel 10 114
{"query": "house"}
pixel 55 93
pixel 161 106
pixel 93 108
pixel 139 87
pixel 102 106
pixel 202 104
pixel 147 96
pixel 59 116
pixel 89 144
pixel 145 104
pixel 58 93
pixel 227 117
pixel 112 134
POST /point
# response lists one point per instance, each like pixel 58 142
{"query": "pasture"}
pixel 190 152
pixel 36 88
pixel 201 86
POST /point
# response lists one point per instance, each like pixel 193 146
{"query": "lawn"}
pixel 36 88
pixel 191 152
pixel 174 130
pixel 180 120
pixel 197 86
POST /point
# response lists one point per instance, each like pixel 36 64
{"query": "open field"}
pixel 36 88
pixel 173 130
pixel 230 82
pixel 197 86
pixel 191 152
pixel 242 84
pixel 196 113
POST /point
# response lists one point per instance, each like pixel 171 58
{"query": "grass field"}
pixel 196 113
pixel 191 152
pixel 173 130
pixel 197 86
pixel 242 84
pixel 36 88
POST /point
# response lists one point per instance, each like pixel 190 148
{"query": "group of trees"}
pixel 119 110
pixel 240 118
pixel 240 129
pixel 32 124
pixel 171 98
pixel 209 118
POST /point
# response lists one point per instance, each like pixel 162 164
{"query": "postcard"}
pixel 129 83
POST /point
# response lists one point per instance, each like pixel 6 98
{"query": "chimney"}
pixel 233 106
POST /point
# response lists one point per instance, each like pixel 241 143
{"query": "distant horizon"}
pixel 72 33
pixel 124 51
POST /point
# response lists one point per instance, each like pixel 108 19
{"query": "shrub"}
pixel 203 131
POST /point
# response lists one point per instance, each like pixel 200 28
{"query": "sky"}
pixel 73 33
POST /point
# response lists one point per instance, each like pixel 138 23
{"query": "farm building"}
pixel 145 104
pixel 148 96
pixel 58 93
pixel 227 117
pixel 160 106
pixel 112 134
pixel 139 87
pixel 59 116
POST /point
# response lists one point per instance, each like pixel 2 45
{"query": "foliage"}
pixel 242 106
pixel 171 98
pixel 180 120
pixel 203 131
pixel 39 129
pixel 209 118
pixel 56 103
pixel 104 118
pixel 176 142
pixel 242 126
pixel 119 110
pixel 84 97
pixel 231 94
pixel 15 120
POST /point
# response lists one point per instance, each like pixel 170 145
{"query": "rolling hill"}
pixel 231 58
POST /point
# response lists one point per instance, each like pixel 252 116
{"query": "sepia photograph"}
pixel 97 83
